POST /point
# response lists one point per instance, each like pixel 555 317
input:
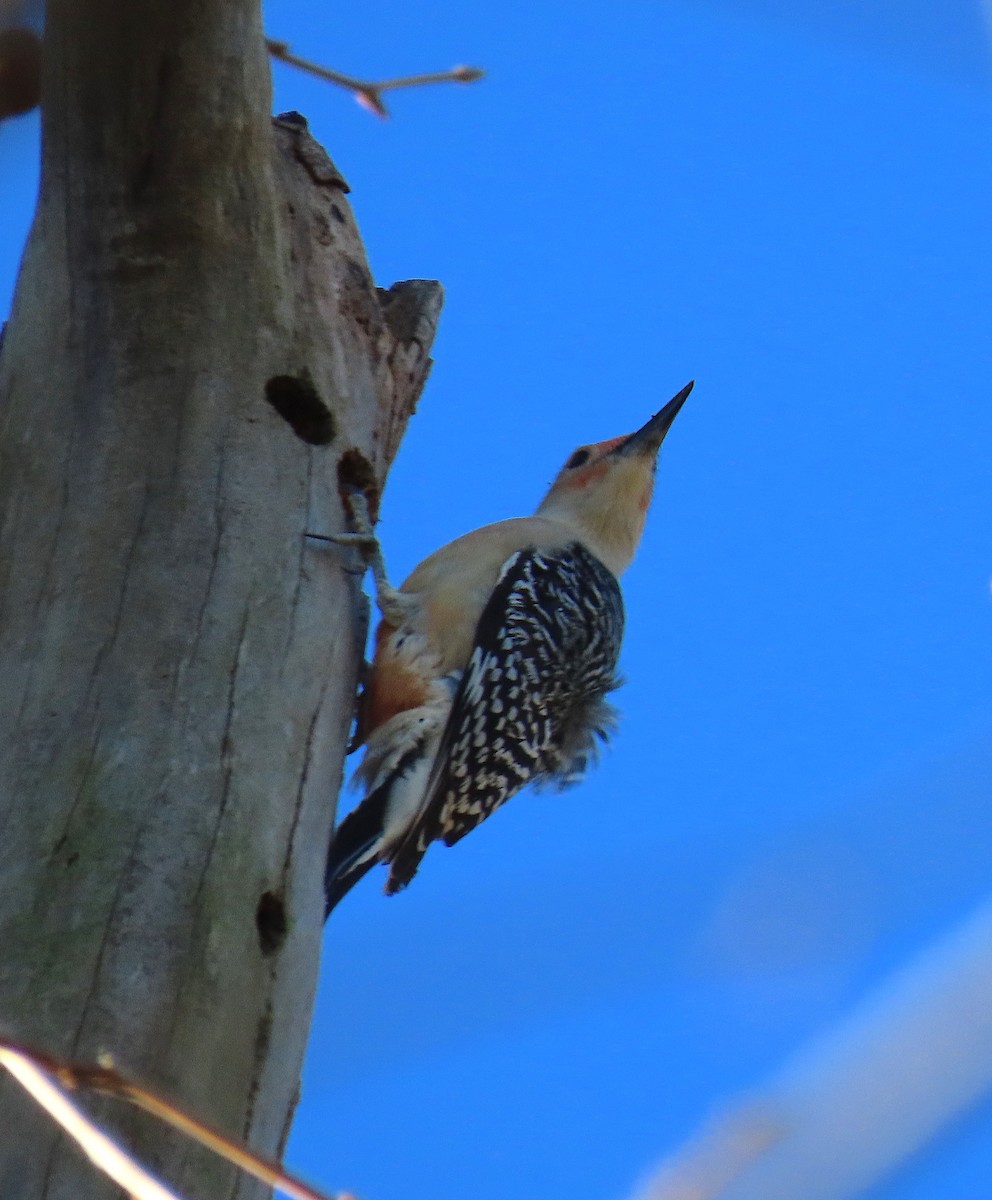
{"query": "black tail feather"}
pixel 405 860
pixel 356 835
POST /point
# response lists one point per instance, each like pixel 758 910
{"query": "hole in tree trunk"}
pixel 20 71
pixel 295 399
pixel 355 474
pixel 270 919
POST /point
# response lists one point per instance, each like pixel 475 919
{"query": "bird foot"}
pixel 395 606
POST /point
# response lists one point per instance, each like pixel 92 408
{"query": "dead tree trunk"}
pixel 196 355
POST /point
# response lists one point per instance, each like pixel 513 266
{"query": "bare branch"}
pixel 101 1150
pixel 863 1097
pixel 365 91
pixel 29 1066
pixel 706 1166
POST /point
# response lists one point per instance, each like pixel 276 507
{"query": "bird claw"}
pixel 395 606
pixel 361 540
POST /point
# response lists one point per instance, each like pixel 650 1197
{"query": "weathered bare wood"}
pixel 196 352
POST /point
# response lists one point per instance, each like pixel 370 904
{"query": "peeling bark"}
pixel 177 662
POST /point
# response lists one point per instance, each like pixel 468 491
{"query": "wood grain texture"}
pixel 177 663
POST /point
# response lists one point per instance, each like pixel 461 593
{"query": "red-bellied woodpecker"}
pixel 493 661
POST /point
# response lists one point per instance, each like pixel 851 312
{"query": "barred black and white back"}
pixel 531 706
pixel 494 659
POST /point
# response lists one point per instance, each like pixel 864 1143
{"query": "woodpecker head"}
pixel 603 491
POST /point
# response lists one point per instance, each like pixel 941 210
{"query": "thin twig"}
pixel 368 92
pixel 108 1081
pixel 101 1150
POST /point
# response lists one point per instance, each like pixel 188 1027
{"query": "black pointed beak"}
pixel 648 439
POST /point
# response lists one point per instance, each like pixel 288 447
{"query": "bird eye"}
pixel 577 459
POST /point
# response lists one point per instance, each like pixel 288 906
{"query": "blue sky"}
pixel 788 201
